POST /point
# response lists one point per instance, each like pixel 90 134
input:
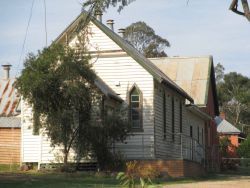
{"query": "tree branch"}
pixel 234 7
pixel 246 9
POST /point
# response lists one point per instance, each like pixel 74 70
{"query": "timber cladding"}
pixel 10 145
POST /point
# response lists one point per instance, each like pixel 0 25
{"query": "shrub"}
pixel 244 148
pixel 136 171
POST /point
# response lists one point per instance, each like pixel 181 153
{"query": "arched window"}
pixel 135 101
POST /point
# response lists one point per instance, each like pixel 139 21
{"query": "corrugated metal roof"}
pixel 9 100
pixel 131 51
pixel 10 122
pixel 190 73
pixel 196 110
pixel 223 126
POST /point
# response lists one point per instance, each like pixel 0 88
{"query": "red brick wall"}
pixel 175 168
pixel 212 138
pixel 231 151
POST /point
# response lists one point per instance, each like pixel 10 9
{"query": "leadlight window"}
pixel 135 108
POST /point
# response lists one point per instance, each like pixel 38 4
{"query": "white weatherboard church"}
pixel 166 124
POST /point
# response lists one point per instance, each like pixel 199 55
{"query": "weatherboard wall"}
pixel 31 144
pixel 167 147
pixel 121 72
pixel 37 148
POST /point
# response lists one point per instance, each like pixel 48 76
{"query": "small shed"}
pixel 10 120
pixel 10 140
pixel 235 136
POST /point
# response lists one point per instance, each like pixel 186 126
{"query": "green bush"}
pixel 244 148
pixel 9 167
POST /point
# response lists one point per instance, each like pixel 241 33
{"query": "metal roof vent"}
pixel 6 68
pixel 121 32
pixel 110 24
pixel 98 15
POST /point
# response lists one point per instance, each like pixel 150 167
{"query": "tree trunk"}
pixel 65 157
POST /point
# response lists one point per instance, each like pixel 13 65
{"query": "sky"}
pixel 198 28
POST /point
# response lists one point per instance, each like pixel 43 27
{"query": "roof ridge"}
pixel 130 50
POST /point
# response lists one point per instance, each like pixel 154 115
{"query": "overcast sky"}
pixel 197 29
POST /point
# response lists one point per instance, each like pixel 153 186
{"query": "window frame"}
pixel 198 134
pixel 191 131
pixel 173 118
pixel 181 117
pixel 164 116
pixel 140 109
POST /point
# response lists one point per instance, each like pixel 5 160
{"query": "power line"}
pixel 45 22
pixel 25 37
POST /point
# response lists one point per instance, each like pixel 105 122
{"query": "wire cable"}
pixel 45 22
pixel 25 37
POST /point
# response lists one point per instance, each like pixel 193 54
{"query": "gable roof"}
pixel 106 90
pixel 129 49
pixel 9 100
pixel 193 74
pixel 223 126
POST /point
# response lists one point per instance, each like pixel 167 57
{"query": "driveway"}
pixel 229 182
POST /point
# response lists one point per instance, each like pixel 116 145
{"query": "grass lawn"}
pixel 11 177
pixel 54 180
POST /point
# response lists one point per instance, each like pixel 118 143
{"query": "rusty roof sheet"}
pixel 191 73
pixel 9 100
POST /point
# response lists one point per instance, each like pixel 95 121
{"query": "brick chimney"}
pixel 222 115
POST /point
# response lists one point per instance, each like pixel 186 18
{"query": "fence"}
pixel 242 165
pixel 142 146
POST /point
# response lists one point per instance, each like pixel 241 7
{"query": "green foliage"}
pixel 219 73
pixel 244 148
pixel 144 39
pixel 137 172
pixel 224 144
pixel 125 180
pixel 234 98
pixel 105 4
pixel 110 128
pixel 58 83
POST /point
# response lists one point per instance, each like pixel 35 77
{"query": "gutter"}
pixel 193 108
pixel 179 91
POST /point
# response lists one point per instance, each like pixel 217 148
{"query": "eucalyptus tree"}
pixel 234 98
pixel 144 39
